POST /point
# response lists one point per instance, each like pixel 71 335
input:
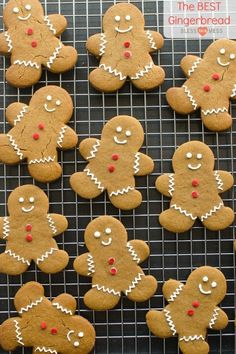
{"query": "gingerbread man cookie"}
pixel 48 327
pixel 112 262
pixel 31 41
pixel 124 49
pixel 38 131
pixel 113 162
pixel 194 188
pixel 191 310
pixel 29 231
pixel 210 85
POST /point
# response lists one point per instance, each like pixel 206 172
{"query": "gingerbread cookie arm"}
pixel 89 147
pixel 165 184
pixel 5 43
pixel 155 40
pixel 10 334
pixel 56 23
pixel 15 112
pixel 224 180
pixel 219 319
pixel 65 303
pixel 139 250
pixel 143 164
pixel 30 293
pixel 67 138
pixel 189 64
pixel 171 289
pixel 84 265
pixel 96 44
pixel 57 223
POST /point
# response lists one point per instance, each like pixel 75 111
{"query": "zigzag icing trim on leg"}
pixel 15 146
pixel 136 163
pixel 18 333
pixel 9 41
pixel 52 58
pixel 191 338
pixel 218 180
pixel 132 252
pixel 20 115
pixel 233 91
pixel 191 99
pixel 212 211
pixel 151 40
pixel 121 191
pixel 27 63
pixel 91 265
pixel 61 136
pixel 106 290
pixel 31 305
pixel 170 321
pixel 46 255
pixel 52 224
pixel 134 283
pixel 171 184
pixel 17 257
pixel 94 150
pixel 112 71
pixel 214 111
pixel 143 72
pixel 49 24
pixel 6 227
pixel 62 309
pixel 194 66
pixel 94 179
pixel 182 211
pixel 176 293
pixel 214 317
pixel 43 160
pixel 45 350
pixel 103 43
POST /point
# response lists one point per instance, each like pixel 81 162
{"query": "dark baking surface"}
pixel 123 330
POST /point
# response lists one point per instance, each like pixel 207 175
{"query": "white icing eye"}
pixel 189 155
pixel 128 17
pixel 214 284
pixel 31 199
pixel 199 156
pixel 108 231
pixel 128 133
pixel 205 279
pixel 119 129
pixel 21 200
pixel 222 51
pixel 97 234
pixel 232 56
pixel 117 18
pixel 81 334
pixel 15 10
pixel 58 102
pixel 76 344
pixel 49 98
pixel 28 7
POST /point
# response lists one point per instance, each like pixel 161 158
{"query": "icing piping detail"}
pixel 112 71
pixel 15 146
pixel 176 293
pixel 61 136
pixel 18 333
pixel 62 309
pixel 91 266
pixel 9 41
pixel 31 305
pixel 212 211
pixel 106 290
pixel 136 280
pixel 192 100
pixel 94 150
pixel 50 25
pixel 214 110
pixel 136 163
pixel 94 179
pixel 219 180
pixel 52 224
pixel 171 184
pixel 233 91
pixel 182 211
pixel 214 317
pixel 121 191
pixel 170 321
pixel 103 42
pixel 16 256
pixel 141 73
pixel 45 350
pixel 6 227
pixel 27 63
pixel 132 252
pixel 20 115
pixel 151 40
pixel 191 338
pixel 43 160
pixel 45 255
pixel 194 66
pixel 52 58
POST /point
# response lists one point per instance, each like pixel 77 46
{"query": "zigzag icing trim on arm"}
pixel 176 293
pixel 91 265
pixel 136 280
pixel 103 43
pixel 233 91
pixel 52 224
pixel 15 146
pixel 17 257
pixel 191 338
pixel 61 136
pixel 142 72
pixel 9 41
pixel 94 179
pixel 18 333
pixel 43 160
pixel 6 227
pixel 191 99
pixel 212 211
pixel 171 184
pixel 106 290
pixel 52 58
pixel 27 63
pixel 62 309
pixel 182 211
pixel 46 255
pixel 45 350
pixel 49 24
pixel 121 191
pixel 170 321
pixel 218 180
pixel 214 111
pixel 132 252
pixel 151 40
pixel 94 150
pixel 214 317
pixel 136 163
pixel 31 305
pixel 194 66
pixel 20 115
pixel 112 71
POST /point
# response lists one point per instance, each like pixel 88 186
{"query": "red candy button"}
pixel 111 260
pixel 115 157
pixel 28 227
pixel 206 88
pixel 34 44
pixel 43 325
pixel 29 31
pixel 113 271
pixel 195 194
pixel 41 126
pixel 196 304
pixel 127 44
pixel 127 54
pixel 111 168
pixel 53 331
pixel 190 312
pixel 195 183
pixel 216 76
pixel 36 136
pixel 29 238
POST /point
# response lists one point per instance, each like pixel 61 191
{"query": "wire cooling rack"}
pixel 123 329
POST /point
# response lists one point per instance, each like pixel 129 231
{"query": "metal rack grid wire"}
pixel 123 329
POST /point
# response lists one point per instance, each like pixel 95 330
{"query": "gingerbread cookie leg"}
pixel 93 186
pixel 194 347
pixel 218 220
pixel 142 288
pixel 162 329
pixel 21 75
pixel 175 95
pixel 216 119
pixel 9 151
pixel 10 334
pixel 101 300
pixel 52 261
pixel 150 77
pixel 176 220
pixel 106 79
pixel 63 59
pixel 125 198
pixel 44 169
pixel 13 264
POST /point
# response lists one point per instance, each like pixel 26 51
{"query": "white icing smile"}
pixel 27 210
pixel 191 167
pixel 48 109
pixel 123 31
pixel 107 243
pixel 204 292
pixel 24 18
pixel 222 64
pixel 121 142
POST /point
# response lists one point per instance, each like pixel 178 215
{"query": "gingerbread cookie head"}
pixel 105 232
pixel 221 54
pixel 22 11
